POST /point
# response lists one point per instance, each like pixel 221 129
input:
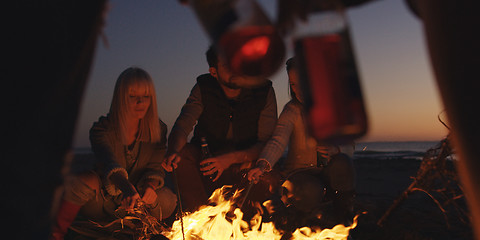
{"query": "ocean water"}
pixel 394 150
pixel 377 150
pixel 415 146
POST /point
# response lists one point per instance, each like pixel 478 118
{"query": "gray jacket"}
pixel 110 157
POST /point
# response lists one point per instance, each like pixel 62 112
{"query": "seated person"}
pixel 129 147
pixel 235 122
pixel 306 158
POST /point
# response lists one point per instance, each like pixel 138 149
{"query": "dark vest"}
pixel 219 112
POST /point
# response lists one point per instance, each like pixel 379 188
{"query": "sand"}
pixel 379 183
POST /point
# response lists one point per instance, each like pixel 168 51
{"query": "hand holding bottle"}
pixel 215 166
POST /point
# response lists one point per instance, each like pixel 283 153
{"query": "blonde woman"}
pixel 129 146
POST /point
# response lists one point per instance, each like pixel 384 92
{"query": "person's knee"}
pixel 272 181
pixel 341 161
pixel 304 190
pixel 167 200
pixel 91 180
pixel 190 158
pixel 81 188
pixel 190 152
pixel 341 172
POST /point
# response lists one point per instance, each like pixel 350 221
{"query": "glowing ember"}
pixel 216 223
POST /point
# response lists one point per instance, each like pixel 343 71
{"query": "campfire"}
pixel 222 220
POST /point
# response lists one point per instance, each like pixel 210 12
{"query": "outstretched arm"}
pixel 277 144
pixel 183 126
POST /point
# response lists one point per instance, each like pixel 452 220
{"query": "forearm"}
pixel 103 147
pixel 122 183
pixel 276 145
pixel 177 140
pixel 185 122
pixel 272 152
pixel 152 183
pixel 268 118
pixel 248 155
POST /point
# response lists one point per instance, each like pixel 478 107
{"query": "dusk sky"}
pixel 165 38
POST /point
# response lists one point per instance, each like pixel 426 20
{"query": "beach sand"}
pixel 379 183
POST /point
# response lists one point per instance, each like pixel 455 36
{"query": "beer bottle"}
pixel 328 75
pixel 205 151
pixel 206 154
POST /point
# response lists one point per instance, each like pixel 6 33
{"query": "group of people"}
pixel 244 136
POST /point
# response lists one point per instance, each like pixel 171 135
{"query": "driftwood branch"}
pixel 435 179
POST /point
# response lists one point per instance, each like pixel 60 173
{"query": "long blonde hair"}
pixel 149 128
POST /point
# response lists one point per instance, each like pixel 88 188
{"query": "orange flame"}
pixel 212 223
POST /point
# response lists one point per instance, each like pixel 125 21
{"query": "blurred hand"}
pixel 171 161
pixel 254 175
pixel 327 151
pixel 130 194
pixel 290 10
pixel 130 198
pixel 149 196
